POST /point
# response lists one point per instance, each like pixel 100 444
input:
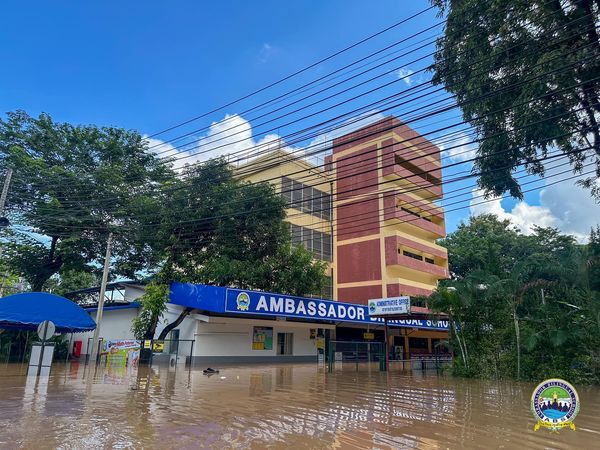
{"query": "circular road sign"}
pixel 46 330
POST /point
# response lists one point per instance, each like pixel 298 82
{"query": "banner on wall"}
pixel 262 338
pixel 123 353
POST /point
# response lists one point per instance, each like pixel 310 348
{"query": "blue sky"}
pixel 149 65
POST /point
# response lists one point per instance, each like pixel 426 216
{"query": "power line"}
pixel 298 72
pixel 417 188
pixel 453 126
pixel 549 14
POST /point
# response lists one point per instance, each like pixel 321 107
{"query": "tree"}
pixel 72 185
pixel 534 85
pixel 485 243
pixel 214 229
pixel 71 280
pixel 522 306
pixel 593 261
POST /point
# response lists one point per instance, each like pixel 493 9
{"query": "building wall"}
pixel 387 179
pixel 223 337
pixel 278 168
pixel 384 179
pixel 116 324
pixel 218 339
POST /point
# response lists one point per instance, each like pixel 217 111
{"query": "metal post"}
pixel 94 349
pixel 385 346
pixel 41 359
pixel 69 348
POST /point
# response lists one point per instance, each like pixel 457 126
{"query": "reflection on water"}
pixel 285 406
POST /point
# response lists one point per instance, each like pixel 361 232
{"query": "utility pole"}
pixel 3 220
pixel 94 349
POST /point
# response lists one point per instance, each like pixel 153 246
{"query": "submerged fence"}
pixel 145 351
pixel 355 352
pixel 368 355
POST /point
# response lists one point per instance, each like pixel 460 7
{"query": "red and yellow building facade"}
pixel 383 182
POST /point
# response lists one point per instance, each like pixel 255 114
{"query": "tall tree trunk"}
pixel 151 329
pixel 163 334
pixel 460 345
pixel 518 340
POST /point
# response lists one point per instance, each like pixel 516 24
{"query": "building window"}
pixel 429 260
pixel 286 189
pixel 327 289
pixel 412 255
pixel 318 243
pixel 420 216
pixel 285 343
pixel 327 247
pixel 326 207
pixel 305 198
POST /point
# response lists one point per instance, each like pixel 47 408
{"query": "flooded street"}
pixel 284 406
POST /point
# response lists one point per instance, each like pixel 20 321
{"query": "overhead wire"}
pixel 298 72
pixel 211 149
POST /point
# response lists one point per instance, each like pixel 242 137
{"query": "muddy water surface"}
pixel 285 406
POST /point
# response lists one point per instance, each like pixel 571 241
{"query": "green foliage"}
pixel 525 74
pixel 530 311
pixel 69 281
pixel 153 304
pixel 214 229
pixel 71 186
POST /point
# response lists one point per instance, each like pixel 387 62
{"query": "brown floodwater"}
pixel 275 406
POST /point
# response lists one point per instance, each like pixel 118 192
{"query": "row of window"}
pixel 306 198
pixel 315 241
pixel 419 257
pixel 422 216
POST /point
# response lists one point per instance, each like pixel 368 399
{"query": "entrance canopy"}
pixel 241 302
pixel 26 311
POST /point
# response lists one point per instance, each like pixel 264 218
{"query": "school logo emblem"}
pixel 372 307
pixel 243 301
pixel 554 404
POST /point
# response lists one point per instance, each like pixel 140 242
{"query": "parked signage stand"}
pixel 42 352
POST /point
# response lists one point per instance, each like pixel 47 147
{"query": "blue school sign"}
pixel 240 302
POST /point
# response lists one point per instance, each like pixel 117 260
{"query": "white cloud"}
pixel 165 150
pixel 405 74
pixel 573 206
pixel 523 215
pixel 233 135
pixel 563 205
pixel 266 52
pixel 459 148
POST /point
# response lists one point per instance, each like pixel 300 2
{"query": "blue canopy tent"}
pixel 26 311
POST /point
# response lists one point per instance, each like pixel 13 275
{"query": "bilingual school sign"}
pixel 263 303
